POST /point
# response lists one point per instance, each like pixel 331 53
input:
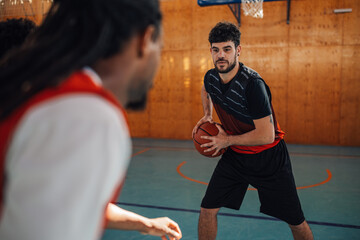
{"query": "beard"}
pixel 228 69
pixel 137 105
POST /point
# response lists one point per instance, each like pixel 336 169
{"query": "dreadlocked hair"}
pixel 74 34
pixel 13 33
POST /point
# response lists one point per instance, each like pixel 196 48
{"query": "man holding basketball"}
pixel 65 145
pixel 257 153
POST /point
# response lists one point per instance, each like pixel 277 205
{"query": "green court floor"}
pixel 168 178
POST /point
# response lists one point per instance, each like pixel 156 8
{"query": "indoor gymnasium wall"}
pixel 31 9
pixel 311 66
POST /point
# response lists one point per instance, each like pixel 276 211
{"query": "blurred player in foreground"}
pixel 65 145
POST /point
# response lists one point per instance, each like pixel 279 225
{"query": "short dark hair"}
pixel 74 34
pixel 223 32
pixel 13 33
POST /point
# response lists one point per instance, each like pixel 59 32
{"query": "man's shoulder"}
pixel 250 77
pixel 248 72
pixel 212 75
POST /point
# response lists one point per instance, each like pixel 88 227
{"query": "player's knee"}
pixel 299 226
pixel 209 212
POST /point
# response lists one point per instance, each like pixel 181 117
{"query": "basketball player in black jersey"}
pixel 257 154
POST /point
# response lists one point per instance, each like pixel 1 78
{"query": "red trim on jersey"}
pixel 78 82
pixel 279 134
pixel 233 126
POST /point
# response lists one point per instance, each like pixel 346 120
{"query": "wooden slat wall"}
pixel 34 11
pixel 350 77
pixel 311 66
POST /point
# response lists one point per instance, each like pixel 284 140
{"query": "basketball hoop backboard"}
pixel 252 8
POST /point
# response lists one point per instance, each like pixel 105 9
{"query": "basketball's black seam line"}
pixel 205 131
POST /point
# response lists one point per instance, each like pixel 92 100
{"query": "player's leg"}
pixel 207 228
pixel 278 194
pixel 301 231
pixel 226 189
pixel 286 206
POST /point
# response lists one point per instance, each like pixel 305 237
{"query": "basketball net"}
pixel 253 8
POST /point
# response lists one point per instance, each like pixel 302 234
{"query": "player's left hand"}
pixel 217 142
pixel 163 227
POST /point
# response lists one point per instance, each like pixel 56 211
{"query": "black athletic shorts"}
pixel 268 171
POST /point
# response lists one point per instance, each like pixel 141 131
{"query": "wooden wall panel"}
pixel 34 10
pixel 315 23
pixel 176 25
pixel 351 22
pixel 175 5
pixel 350 97
pixel 170 100
pixel 310 66
pixel 139 123
pixel 314 95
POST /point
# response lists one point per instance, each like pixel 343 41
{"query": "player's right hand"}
pixel 201 121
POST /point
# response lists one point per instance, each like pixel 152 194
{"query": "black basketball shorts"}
pixel 268 171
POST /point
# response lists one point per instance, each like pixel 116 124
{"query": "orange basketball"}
pixel 206 129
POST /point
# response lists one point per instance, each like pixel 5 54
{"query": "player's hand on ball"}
pixel 218 142
pixel 201 121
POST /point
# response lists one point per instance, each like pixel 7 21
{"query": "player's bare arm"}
pixel 118 218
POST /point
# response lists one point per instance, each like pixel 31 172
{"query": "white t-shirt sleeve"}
pixel 66 158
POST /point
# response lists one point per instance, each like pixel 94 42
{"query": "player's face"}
pixel 143 82
pixel 225 56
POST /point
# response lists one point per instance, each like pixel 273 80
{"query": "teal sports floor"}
pixel 168 178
